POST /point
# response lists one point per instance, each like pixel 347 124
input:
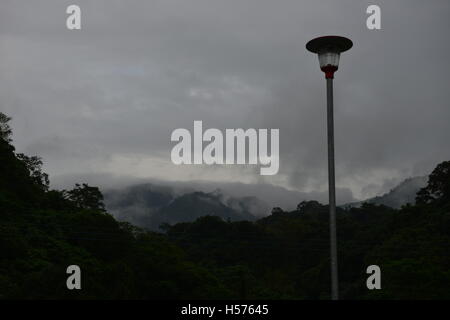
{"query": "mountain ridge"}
pixel 401 194
pixel 150 205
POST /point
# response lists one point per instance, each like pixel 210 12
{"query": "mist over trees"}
pixel 282 256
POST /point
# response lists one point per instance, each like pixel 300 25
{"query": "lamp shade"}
pixel 328 49
pixel 329 59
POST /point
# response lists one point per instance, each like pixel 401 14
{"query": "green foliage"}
pixel 85 197
pixel 44 231
pixel 282 256
pixel 34 167
pixel 438 188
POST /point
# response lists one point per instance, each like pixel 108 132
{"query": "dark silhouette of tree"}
pixel 5 129
pixel 277 210
pixel 86 197
pixel 438 188
pixel 308 206
pixel 34 166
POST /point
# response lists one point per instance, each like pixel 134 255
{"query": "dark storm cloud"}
pixel 106 98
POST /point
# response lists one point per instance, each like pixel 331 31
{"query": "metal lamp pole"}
pixel 328 49
pixel 332 192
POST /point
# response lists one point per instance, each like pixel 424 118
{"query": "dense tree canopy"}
pixel 282 256
pixel 438 188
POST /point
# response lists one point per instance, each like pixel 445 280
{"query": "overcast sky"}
pixel 105 99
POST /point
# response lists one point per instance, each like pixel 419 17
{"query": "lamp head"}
pixel 328 49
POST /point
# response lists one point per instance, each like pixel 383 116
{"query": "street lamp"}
pixel 329 49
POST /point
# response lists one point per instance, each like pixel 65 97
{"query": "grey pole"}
pixel 328 49
pixel 332 192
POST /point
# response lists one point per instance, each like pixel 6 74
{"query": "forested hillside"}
pixel 282 256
